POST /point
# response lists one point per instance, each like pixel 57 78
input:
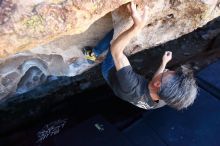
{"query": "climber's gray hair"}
pixel 180 90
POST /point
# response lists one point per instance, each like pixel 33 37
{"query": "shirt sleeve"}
pixel 128 79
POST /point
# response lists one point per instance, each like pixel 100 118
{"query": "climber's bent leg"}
pixel 104 44
pixel 107 65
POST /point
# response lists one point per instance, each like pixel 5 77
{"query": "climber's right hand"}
pixel 167 57
pixel 139 20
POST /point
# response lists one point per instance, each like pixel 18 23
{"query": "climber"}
pixel 173 88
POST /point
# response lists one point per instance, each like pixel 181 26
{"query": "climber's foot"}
pixel 89 54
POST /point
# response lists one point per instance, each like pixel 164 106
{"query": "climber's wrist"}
pixel 137 27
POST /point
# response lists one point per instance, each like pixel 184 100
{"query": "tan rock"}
pixel 168 20
pixel 25 24
pixel 63 57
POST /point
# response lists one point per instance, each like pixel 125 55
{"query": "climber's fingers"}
pixel 145 15
pixel 133 8
pixel 129 7
pixel 139 20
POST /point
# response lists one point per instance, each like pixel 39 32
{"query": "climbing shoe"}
pixel 89 54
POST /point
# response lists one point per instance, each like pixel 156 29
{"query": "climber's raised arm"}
pixel 166 58
pixel 119 44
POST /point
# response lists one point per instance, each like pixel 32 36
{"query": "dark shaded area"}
pixel 83 106
pixel 197 126
pixel 209 79
pixel 99 132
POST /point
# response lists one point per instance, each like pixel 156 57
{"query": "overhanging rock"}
pixel 168 20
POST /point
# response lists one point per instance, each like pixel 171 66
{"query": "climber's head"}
pixel 177 88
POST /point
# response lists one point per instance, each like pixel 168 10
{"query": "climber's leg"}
pixel 102 46
pixel 107 65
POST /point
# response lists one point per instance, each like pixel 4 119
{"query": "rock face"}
pixel 27 25
pixel 23 71
pixel 168 20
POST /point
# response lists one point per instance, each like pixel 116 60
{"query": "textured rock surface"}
pixel 63 57
pixel 168 20
pixel 25 24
